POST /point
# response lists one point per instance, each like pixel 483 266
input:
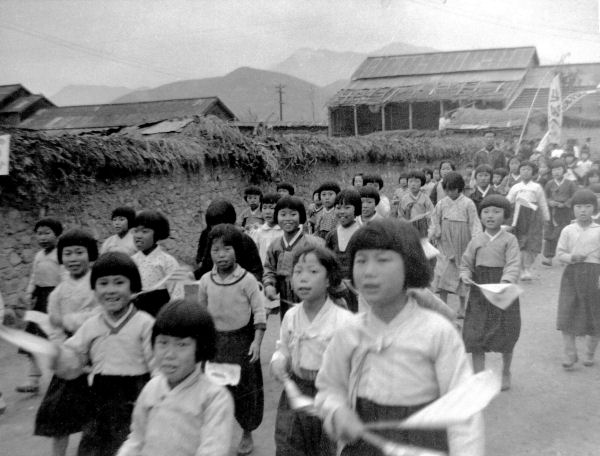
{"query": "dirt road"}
pixel 548 412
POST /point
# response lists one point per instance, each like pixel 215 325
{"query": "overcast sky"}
pixel 47 44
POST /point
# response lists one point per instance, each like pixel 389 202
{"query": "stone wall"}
pixel 182 197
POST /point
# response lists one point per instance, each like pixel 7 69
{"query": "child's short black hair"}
pixel 220 211
pixel 271 198
pixel 373 179
pixel 78 237
pixel 500 172
pixel 124 211
pixel 327 259
pixel 184 318
pixel 585 196
pixel 252 190
pixel 350 197
pixel 230 235
pixel 369 192
pixel 453 181
pixel 156 221
pixel 496 201
pixel 532 165
pixel 450 162
pixel 558 163
pixel 117 263
pixel 399 236
pixel 428 172
pixel 416 174
pixel 483 168
pixel 290 202
pixel 51 223
pixel 355 176
pixel 331 186
pixel 402 176
pixel 286 186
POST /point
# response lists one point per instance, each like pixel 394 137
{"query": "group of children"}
pixel 352 286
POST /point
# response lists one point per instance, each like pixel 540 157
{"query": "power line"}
pixel 280 91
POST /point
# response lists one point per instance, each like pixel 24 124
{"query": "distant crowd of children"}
pixel 349 278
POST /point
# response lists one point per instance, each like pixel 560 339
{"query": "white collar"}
pixel 495 236
pixel 294 239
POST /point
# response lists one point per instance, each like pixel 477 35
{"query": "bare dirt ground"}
pixel 548 412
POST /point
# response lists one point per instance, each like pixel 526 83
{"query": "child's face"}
pixel 403 182
pixel 76 260
pixel 379 275
pixel 526 173
pixel 309 278
pixel 46 238
pixel 328 198
pixel 569 159
pixel 368 207
pixel 585 156
pixel 268 213
pixel 445 169
pixel 414 185
pixel 358 181
pixel 253 201
pixel 468 172
pixel 143 237
pixel 513 165
pixel 483 179
pixel 345 214
pixel 283 192
pixel 543 168
pixel 436 174
pixel 427 178
pixel 176 357
pixel 113 293
pixel 289 220
pixel 120 224
pixel 594 179
pixel 375 185
pixel 497 179
pixel 583 212
pixel 223 256
pixel 452 193
pixel 492 217
pixel 557 173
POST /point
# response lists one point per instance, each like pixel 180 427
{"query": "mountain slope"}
pixel 72 95
pixel 250 93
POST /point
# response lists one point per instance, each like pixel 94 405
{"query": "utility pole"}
pixel 280 91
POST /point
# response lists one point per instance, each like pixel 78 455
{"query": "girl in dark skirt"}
pixel 65 408
pixel 233 298
pixel 531 211
pixel 491 257
pixel 116 342
pixel 579 298
pixel 397 357
pixel 306 330
pixel 45 276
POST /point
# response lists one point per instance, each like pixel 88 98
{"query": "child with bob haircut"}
pixel 181 412
pixel 357 180
pixel 415 206
pixel 398 341
pixel 483 179
pixel 45 276
pixel 65 408
pixel 305 332
pixel 290 214
pixel 116 344
pixel 285 189
pixel 123 220
pixel 498 176
pixel 438 193
pixel 530 205
pixel 327 219
pixel 251 217
pixel 370 199
pixel 455 223
pixel 270 230
pixel 578 309
pixel 233 298
pixel 491 257
pixel 153 262
pixel 375 181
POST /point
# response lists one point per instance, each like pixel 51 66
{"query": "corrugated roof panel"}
pixel 446 62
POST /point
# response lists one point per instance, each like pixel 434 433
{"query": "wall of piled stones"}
pixel 182 197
